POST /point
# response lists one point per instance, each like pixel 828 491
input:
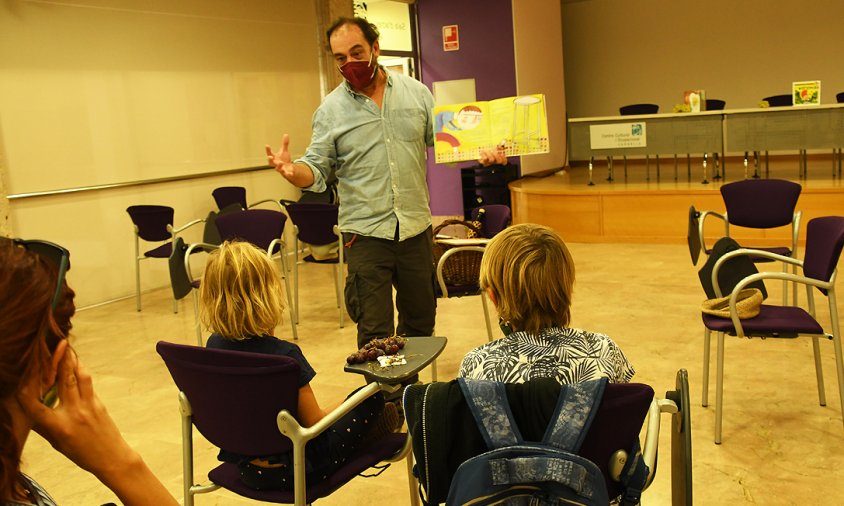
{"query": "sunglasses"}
pixel 60 257
pixel 53 253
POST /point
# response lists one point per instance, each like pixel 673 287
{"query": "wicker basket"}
pixel 462 268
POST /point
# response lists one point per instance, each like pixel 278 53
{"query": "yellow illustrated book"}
pixel 806 92
pixel 517 124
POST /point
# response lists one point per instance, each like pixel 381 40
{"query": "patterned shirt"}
pixel 566 354
pixel 378 155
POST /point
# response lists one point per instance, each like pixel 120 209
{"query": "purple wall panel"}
pixel 486 54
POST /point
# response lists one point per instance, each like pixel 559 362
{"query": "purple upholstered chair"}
pixel 316 224
pixel 226 196
pixel 245 403
pixel 153 223
pixel 824 241
pixel 265 229
pixel 779 100
pixel 495 218
pixel 633 110
pixel 759 204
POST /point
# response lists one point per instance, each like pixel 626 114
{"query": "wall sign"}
pixel 618 135
pixel 451 41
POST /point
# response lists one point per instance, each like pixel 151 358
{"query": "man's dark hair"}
pixel 370 31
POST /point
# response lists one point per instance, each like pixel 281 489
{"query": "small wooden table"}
pixel 418 352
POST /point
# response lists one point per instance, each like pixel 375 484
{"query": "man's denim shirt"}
pixel 379 155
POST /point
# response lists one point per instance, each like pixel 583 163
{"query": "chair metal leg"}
pixel 411 481
pixel 657 167
pixel 294 316
pixel 296 282
pixel 137 274
pixel 705 394
pixel 785 286
pixel 675 168
pixel 719 387
pixel 816 351
pixel 187 449
pixel 836 343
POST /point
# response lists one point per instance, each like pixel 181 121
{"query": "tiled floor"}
pixel 779 447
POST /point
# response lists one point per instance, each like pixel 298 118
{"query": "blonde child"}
pixel 241 301
pixel 528 273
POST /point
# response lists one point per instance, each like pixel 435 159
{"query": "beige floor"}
pixel 779 446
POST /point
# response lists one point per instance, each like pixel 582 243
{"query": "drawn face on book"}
pixel 468 117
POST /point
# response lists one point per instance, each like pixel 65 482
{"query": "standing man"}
pixel 372 132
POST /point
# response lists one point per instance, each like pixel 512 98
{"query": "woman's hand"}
pixel 81 429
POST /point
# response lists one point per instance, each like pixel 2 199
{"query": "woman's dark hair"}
pixel 29 332
pixel 370 31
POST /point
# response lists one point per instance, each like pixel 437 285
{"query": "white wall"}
pixel 538 45
pixel 130 90
pixel 619 52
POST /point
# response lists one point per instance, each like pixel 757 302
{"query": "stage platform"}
pixel 635 210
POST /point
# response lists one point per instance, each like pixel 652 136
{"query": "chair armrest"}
pixel 747 251
pixel 785 276
pixel 290 427
pixel 445 257
pixel 176 230
pixel 702 219
pixel 265 201
pixel 196 246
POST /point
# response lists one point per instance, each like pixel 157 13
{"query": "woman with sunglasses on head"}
pixel 35 359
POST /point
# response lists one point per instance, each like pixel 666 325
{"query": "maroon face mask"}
pixel 359 73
